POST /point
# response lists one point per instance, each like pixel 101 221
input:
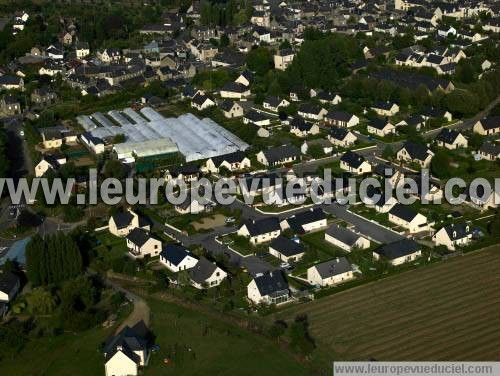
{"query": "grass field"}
pixel 217 347
pixel 446 311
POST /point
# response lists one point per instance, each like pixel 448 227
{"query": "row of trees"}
pixel 53 259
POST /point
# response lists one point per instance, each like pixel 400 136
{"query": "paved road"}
pixel 364 226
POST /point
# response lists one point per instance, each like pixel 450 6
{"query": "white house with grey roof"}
pixel 341 119
pixel 176 258
pixel 10 284
pixel 141 244
pixel 354 163
pixel 345 239
pixel 453 235
pixel 279 155
pixel 451 139
pixel 268 288
pixel 342 137
pixel 399 252
pixel 206 274
pixel 232 162
pixel 121 224
pixel 261 230
pixel 408 218
pixel 286 250
pixel 417 153
pixel 330 273
pixel 306 221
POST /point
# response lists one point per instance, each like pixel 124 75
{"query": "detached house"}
pixel 345 239
pixel 268 288
pixel 206 274
pixel 489 151
pixel 312 112
pixel 408 218
pixel 341 119
pixel 342 137
pixel 232 162
pixel 399 252
pixel 274 103
pixel 301 128
pixel 380 127
pixel 279 155
pixel 49 162
pixel 306 221
pixel 486 126
pixel 141 244
pixel 201 102
pixel 330 273
pixel 385 108
pixel 257 118
pixel 177 258
pixel 231 109
pixel 453 235
pixel 235 90
pixel 354 163
pixel 261 230
pixel 126 352
pixel 9 105
pixel 283 58
pixel 54 137
pixel 286 250
pixel 10 284
pixel 121 224
pixel 451 139
pixel 417 153
pixel 11 82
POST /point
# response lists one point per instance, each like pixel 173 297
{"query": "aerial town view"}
pixel 249 187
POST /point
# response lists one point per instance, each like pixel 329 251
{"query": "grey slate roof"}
pixel 342 234
pixel 308 216
pixel 352 159
pixel 122 219
pixel 333 267
pixel 202 270
pixel 175 253
pixel 8 282
pixel 271 283
pixel 138 236
pixel 279 153
pixel 403 212
pixel 400 248
pixel 287 246
pixel 416 151
pixel 263 226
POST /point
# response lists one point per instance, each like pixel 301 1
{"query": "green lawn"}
pixel 66 354
pixel 217 347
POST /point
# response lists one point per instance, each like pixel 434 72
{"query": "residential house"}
pixel 49 162
pixel 312 112
pixel 274 103
pixel 408 218
pixel 345 239
pixel 453 235
pixel 451 139
pixel 235 90
pixel 283 58
pixel 141 244
pixel 188 173
pixel 245 78
pixel 489 151
pixel 354 163
pixel 385 108
pixel 11 82
pixel 385 204
pixel 394 175
pixel 437 113
pixel 202 102
pixel 236 161
pixel 109 55
pixel 309 220
pixel 231 109
pixel 127 352
pixel 206 274
pixel 54 137
pixel 193 206
pixel 95 144
pixel 9 105
pixel 286 250
pixel 279 155
pixel 325 145
pixel 176 258
pixel 301 128
pixel 268 288
pixel 415 121
pixel 399 252
pixel 10 284
pixel 342 137
pixel 330 273
pixel 380 127
pixel 121 224
pixel 486 126
pixel 483 201
pixel 328 98
pixel 341 119
pixel 257 118
pixel 43 97
pixel 260 230
pixel 82 50
pixel 416 153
